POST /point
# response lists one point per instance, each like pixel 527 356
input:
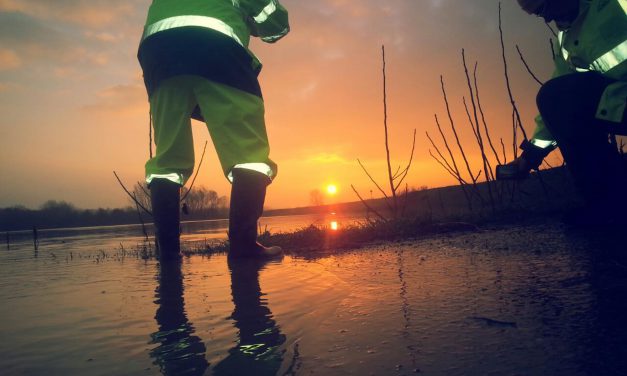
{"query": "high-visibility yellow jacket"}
pixel 208 35
pixel 596 41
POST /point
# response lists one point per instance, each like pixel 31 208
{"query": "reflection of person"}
pixel 585 99
pixel 257 351
pixel 179 351
pixel 196 64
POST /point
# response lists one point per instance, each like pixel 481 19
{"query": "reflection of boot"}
pixel 165 197
pixel 179 350
pixel 260 346
pixel 247 196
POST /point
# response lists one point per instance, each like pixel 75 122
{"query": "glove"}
pixel 517 169
pixel 530 159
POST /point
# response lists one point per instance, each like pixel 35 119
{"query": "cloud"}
pixel 329 158
pixel 126 98
pixel 29 43
pixel 105 37
pixel 92 13
pixel 305 92
pixel 9 60
pixel 5 87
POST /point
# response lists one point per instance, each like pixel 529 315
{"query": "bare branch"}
pixel 551 29
pixel 507 82
pixel 150 133
pixel 472 126
pixel 448 167
pixel 450 117
pixel 485 124
pixel 385 126
pixel 522 58
pixel 504 154
pixel 131 195
pixel 396 173
pixel 372 179
pixel 451 172
pixel 452 123
pixel 140 185
pixel 461 181
pixel 368 206
pixel 552 48
pixel 404 173
pixel 141 219
pixel 479 174
pixel 202 157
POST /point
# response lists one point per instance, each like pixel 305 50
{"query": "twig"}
pixel 368 206
pixel 141 219
pixel 486 165
pixel 518 122
pixel 139 184
pixel 372 179
pixel 522 58
pixel 385 126
pixel 404 173
pixel 130 195
pixel 404 206
pixel 397 171
pixel 485 124
pixel 551 29
pixel 472 126
pixel 448 167
pixel 503 148
pixel 202 157
pixel 460 180
pixel 150 133
pixel 450 118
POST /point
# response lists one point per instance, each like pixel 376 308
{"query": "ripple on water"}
pixel 445 307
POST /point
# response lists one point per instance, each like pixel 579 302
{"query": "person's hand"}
pixel 517 169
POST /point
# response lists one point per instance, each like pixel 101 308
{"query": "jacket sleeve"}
pixel 267 19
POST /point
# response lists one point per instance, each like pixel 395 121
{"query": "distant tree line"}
pixel 201 203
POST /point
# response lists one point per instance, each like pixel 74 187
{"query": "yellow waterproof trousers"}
pixel 235 120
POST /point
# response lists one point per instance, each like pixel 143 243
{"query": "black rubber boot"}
pixel 248 194
pixel 165 197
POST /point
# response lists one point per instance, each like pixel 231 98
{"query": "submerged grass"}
pixel 314 240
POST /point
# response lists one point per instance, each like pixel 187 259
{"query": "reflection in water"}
pixel 257 351
pixel 180 352
pixel 334 225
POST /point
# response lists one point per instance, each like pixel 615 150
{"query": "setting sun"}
pixel 331 189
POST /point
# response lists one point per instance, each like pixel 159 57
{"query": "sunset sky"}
pixel 73 107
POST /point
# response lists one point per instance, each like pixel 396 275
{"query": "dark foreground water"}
pixel 530 300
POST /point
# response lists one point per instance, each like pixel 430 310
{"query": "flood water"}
pixel 531 300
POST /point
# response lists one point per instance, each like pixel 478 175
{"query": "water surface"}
pixel 470 304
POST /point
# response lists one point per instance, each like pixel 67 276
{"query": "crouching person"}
pixel 583 103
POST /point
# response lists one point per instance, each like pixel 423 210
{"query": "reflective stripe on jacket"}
pixel 238 19
pixel 596 41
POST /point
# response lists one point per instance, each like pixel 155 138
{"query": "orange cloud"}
pixel 93 13
pixel 120 99
pixel 9 60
